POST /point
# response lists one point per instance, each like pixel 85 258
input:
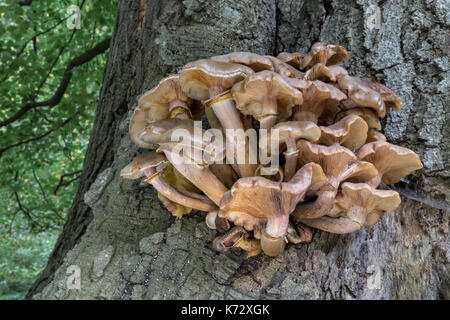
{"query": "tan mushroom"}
pixel 288 134
pixel 166 100
pixel 299 233
pixel 322 53
pixel 360 94
pixel 249 59
pixel 369 116
pixel 393 162
pixel 318 98
pixel 391 100
pixel 152 165
pixel 374 135
pixel 272 202
pixel 148 136
pixel 285 69
pixel 356 200
pixel 266 96
pixel 339 164
pixel 237 237
pixel 325 73
pixel 292 59
pixel 208 79
pixel 350 132
pixel 200 176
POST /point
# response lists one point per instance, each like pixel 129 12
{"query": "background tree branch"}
pixel 64 83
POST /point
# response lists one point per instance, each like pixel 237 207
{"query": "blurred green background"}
pixel 42 149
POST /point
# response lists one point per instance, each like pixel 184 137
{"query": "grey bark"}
pixel 128 246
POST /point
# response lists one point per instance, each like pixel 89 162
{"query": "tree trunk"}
pixel 128 246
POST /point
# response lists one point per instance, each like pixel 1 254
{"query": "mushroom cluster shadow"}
pixel 332 155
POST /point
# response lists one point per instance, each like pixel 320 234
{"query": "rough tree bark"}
pixel 129 247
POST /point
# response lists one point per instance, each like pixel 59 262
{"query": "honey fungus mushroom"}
pixel 266 96
pixel 292 59
pixel 272 202
pixel 356 201
pixel 237 237
pixel 339 164
pixel 151 165
pixel 249 59
pixel 318 98
pixel 350 132
pixel 323 53
pixel 393 162
pixel 208 79
pixel 148 137
pixel 288 134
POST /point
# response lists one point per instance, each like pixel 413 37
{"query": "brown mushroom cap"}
pixel 391 100
pixel 292 59
pixel 318 98
pixel 290 130
pixel 198 78
pixel 322 53
pixel 374 135
pixel 361 95
pixel 148 136
pixel 325 73
pixel 164 98
pixel 285 69
pixel 260 197
pixel 351 132
pixel 393 162
pixel 364 196
pixel 249 59
pixel 333 159
pixel 265 93
pixel 369 116
pixel 136 168
pixel 358 201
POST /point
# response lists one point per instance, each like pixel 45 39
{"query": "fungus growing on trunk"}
pixel 249 59
pixel 339 164
pixel 152 165
pixel 322 53
pixel 393 162
pixel 318 98
pixel 292 59
pixel 266 96
pixel 272 202
pixel 208 79
pixel 288 134
pixel 322 116
pixel 350 132
pixel 355 202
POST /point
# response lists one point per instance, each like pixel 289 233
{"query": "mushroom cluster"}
pixel 331 153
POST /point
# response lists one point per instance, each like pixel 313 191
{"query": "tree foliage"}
pixel 50 77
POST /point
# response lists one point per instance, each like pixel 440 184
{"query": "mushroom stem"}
pixel 272 246
pixel 201 177
pixel 291 155
pixel 339 225
pixel 316 209
pixel 273 236
pixel 179 109
pixel 225 110
pixel 201 203
pixel 267 122
pixel 212 119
